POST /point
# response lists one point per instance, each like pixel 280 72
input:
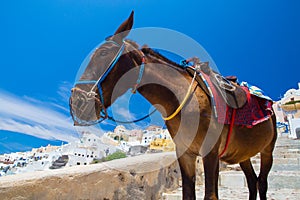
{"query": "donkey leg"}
pixel 211 171
pixel 251 178
pixel 187 164
pixel 266 162
pixel 266 165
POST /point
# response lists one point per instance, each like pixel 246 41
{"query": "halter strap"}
pixel 141 72
pixel 102 78
pixel 85 82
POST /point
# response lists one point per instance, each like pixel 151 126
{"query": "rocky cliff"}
pixel 140 177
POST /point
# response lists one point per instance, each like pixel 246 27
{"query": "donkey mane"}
pixel 133 43
pixel 154 53
pixel 148 51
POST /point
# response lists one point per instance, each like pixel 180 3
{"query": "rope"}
pixel 188 94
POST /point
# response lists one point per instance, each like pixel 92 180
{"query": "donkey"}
pixel 119 64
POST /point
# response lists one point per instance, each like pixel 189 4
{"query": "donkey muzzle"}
pixel 85 107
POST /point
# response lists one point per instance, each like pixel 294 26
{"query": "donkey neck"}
pixel 164 85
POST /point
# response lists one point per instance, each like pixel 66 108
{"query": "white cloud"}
pixel 120 108
pixel 64 91
pixel 36 130
pixel 124 113
pixel 16 108
pixel 33 117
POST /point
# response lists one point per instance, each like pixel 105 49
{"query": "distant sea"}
pixel 11 142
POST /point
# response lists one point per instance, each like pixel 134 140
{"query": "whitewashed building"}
pixel 287 111
pixel 88 149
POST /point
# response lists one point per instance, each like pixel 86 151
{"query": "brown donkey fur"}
pixel 194 130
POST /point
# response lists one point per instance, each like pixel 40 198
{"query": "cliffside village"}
pixel 89 149
pixel 92 148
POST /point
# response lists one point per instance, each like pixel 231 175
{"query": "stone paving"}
pixel 284 178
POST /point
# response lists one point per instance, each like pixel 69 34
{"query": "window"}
pixel 78 163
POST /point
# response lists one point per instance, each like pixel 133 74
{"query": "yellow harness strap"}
pixel 188 94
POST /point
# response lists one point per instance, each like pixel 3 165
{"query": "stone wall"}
pixel 140 177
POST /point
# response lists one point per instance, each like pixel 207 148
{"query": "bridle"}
pixel 91 95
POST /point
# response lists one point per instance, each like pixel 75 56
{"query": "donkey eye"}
pixel 104 52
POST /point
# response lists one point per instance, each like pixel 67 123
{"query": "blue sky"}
pixel 44 42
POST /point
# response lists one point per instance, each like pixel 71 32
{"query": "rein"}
pixel 133 121
pixel 188 94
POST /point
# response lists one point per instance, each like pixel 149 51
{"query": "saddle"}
pixel 233 94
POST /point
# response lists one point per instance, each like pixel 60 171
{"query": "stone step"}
pixel 290 154
pixel 233 186
pixel 286 155
pixel 284 164
pixel 276 179
pixel 237 194
pixel 294 161
pixel 284 181
pixel 232 179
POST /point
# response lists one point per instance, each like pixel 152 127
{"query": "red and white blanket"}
pixel 255 111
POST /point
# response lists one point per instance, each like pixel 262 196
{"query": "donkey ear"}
pixel 123 29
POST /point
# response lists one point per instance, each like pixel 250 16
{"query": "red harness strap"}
pixel 229 132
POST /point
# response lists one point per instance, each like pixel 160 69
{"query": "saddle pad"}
pixel 255 111
pixel 255 90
